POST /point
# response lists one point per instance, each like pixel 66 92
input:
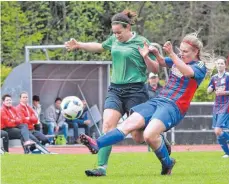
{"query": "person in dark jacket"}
pixel 153 86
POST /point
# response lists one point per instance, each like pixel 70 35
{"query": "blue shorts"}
pixel 221 121
pixel 162 109
pixel 122 97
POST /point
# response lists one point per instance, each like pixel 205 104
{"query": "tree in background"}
pixel 54 22
pixel 17 31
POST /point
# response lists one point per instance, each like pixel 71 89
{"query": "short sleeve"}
pixel 107 44
pixel 168 62
pixel 199 71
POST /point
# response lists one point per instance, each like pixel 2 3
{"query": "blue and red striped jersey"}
pixel 221 104
pixel 181 89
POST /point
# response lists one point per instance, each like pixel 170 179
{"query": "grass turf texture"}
pixel 124 168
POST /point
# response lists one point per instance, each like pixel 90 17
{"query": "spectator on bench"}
pixel 12 126
pixel 28 116
pixel 81 122
pixel 55 120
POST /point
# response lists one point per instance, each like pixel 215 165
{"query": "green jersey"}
pixel 128 66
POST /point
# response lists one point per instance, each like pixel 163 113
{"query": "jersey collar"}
pixel 134 35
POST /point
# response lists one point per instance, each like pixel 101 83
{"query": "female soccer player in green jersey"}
pixel 129 73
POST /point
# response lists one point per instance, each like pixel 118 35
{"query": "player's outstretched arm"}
pixel 152 65
pixel 89 46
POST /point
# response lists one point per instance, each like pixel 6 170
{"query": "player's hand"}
pixel 87 122
pixel 72 44
pixel 153 50
pixel 210 89
pixel 168 48
pixel 145 50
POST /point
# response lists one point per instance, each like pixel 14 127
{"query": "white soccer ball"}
pixel 72 107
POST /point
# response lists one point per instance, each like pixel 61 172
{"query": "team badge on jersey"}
pixel 176 72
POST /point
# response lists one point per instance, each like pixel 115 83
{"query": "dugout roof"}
pixel 51 79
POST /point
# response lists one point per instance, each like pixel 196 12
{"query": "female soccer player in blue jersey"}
pixel 128 77
pixel 220 85
pixel 169 108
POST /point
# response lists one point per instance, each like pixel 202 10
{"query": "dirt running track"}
pixel 80 149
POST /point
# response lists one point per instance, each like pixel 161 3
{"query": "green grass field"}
pixel 124 168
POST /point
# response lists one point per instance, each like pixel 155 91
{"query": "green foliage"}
pixel 124 168
pixel 4 73
pixel 17 31
pixel 54 22
pixel 201 93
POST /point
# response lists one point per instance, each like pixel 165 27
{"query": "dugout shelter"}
pixel 49 79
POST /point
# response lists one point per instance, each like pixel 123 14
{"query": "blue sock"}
pixel 163 155
pixel 223 143
pixel 225 135
pixel 110 138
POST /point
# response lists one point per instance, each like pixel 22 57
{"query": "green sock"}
pixel 103 156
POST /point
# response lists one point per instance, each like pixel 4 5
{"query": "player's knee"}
pixel 149 138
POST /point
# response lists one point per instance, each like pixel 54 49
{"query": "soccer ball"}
pixel 72 107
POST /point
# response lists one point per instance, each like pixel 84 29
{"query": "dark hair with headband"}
pixel 126 17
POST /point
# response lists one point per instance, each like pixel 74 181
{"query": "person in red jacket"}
pixel 29 117
pixel 11 124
